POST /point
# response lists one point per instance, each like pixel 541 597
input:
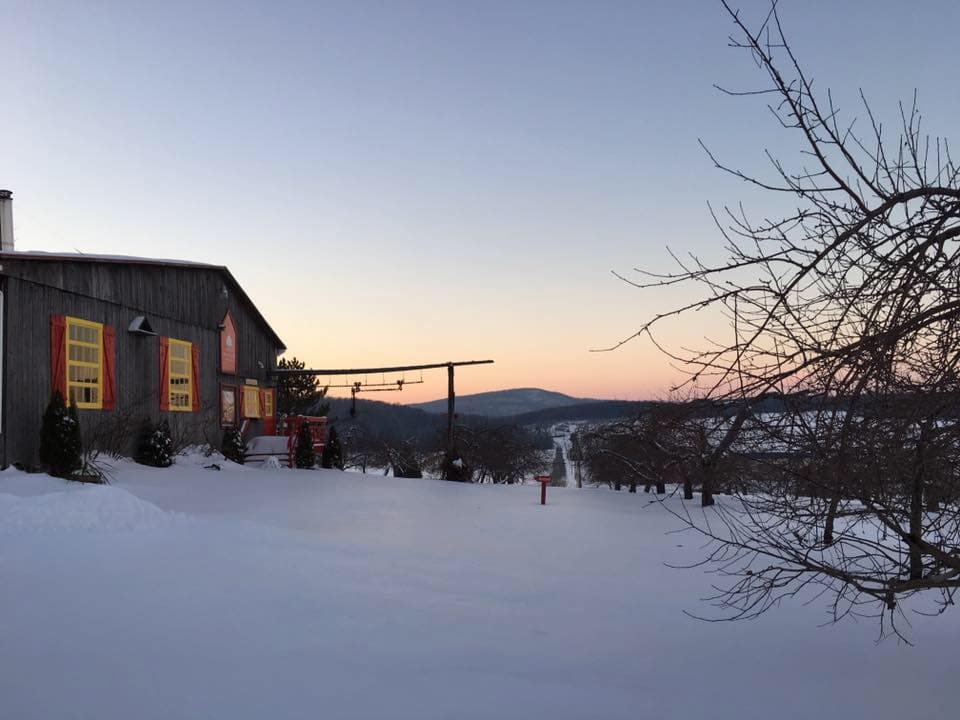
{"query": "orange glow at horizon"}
pixel 538 339
pixel 630 373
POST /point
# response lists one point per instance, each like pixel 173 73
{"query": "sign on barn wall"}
pixel 228 346
pixel 228 406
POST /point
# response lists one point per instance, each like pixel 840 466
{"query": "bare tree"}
pixel 501 453
pixel 845 311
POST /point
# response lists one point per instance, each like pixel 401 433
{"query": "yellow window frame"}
pixel 268 402
pixel 83 346
pixel 251 401
pixel 180 375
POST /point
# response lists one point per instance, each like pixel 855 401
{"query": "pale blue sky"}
pixel 423 181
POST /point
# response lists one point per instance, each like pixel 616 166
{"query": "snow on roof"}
pixel 95 257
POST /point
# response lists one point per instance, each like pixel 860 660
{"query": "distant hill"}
pixel 392 422
pixel 504 403
pixel 427 429
pixel 587 410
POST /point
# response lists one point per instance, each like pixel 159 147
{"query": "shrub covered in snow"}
pixel 332 451
pixel 61 449
pixel 455 469
pixel 304 457
pixel 233 446
pixel 156 447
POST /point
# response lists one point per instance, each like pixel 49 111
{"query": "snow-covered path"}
pixel 188 593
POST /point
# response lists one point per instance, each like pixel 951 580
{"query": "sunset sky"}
pixel 408 182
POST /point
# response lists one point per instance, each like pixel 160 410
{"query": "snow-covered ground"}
pixel 246 593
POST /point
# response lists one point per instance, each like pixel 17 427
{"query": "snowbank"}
pixel 97 508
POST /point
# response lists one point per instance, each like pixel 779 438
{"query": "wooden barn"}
pixel 131 341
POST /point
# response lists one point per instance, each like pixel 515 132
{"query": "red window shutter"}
pixel 263 403
pixel 58 355
pixel 164 374
pixel 109 388
pixel 195 401
pixel 243 402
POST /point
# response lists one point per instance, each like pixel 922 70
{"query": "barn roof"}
pixel 35 255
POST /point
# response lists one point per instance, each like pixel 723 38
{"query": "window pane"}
pixel 84 353
pixel 82 374
pixel 83 394
pixel 82 333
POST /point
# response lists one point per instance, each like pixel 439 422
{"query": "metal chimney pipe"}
pixel 6 221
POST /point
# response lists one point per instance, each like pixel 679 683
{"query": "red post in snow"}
pixel 544 480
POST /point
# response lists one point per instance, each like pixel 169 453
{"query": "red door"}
pixel 268 405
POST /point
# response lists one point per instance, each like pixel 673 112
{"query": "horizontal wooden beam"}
pixel 364 371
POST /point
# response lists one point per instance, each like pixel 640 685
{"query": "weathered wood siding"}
pixel 179 302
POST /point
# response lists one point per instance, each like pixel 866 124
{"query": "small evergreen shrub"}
pixel 304 457
pixel 332 451
pixel 156 447
pixel 61 448
pixel 233 446
pixel 455 469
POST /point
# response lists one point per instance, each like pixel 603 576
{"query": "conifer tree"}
pixel 304 457
pixel 233 447
pixel 299 394
pixel 156 446
pixel 332 451
pixel 575 454
pixel 558 473
pixel 576 451
pixel 61 448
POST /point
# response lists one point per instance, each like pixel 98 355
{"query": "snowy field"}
pixel 246 593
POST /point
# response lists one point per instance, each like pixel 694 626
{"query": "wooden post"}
pixel 544 480
pixel 450 410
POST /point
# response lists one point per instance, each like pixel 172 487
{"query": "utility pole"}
pixel 450 411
